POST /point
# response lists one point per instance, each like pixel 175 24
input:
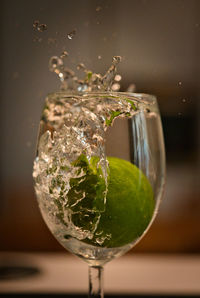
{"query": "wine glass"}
pixel 99 173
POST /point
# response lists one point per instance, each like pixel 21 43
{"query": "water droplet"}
pixel 61 76
pixel 116 59
pixel 115 87
pixel 81 66
pixel 91 81
pixel 36 24
pixel 82 87
pixel 184 100
pixel 118 78
pixel 55 63
pixel 39 27
pixel 64 54
pixel 42 27
pixel 98 8
pixel 180 83
pixel 71 34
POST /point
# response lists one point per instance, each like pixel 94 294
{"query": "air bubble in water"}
pixel 71 34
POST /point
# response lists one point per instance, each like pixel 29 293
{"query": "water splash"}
pixel 76 127
pixel 91 82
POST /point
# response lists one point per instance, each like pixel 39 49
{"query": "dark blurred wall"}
pixel 159 43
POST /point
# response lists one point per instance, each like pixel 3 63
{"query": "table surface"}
pixel 140 273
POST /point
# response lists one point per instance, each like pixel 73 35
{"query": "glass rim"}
pixel 148 98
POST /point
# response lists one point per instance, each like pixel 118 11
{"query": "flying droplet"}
pixel 115 87
pixel 71 34
pixel 39 27
pixel 42 27
pixel 36 24
pixel 118 78
pixel 180 83
pixel 64 54
pixel 81 66
pixel 99 57
pixel 55 63
pixel 98 8
pixel 116 59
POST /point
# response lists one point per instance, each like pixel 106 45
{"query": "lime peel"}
pixel 129 202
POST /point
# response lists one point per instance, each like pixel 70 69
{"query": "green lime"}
pixel 129 202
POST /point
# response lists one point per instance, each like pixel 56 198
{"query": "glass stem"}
pixel 96 282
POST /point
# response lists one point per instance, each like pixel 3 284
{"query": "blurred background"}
pixel 160 45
